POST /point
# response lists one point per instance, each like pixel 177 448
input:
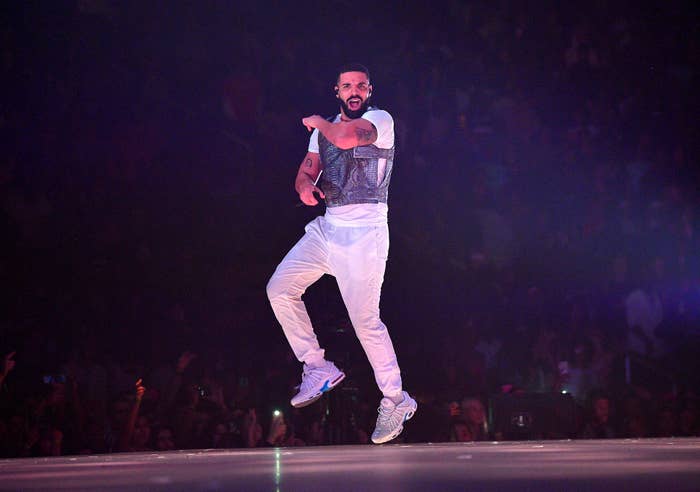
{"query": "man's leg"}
pixel 302 266
pixel 305 263
pixel 358 260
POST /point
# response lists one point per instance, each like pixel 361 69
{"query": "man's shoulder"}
pixel 384 124
pixel 374 111
pixel 379 117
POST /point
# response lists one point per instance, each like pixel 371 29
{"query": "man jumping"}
pixel 353 154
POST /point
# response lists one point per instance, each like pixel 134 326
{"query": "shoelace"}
pixel 387 415
pixel 309 377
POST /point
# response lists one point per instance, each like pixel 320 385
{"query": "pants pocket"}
pixel 382 241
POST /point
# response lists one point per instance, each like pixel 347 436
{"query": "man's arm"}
pixel 306 176
pixel 343 134
pixel 8 365
pixel 128 431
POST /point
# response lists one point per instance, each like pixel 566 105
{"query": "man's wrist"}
pixel 304 181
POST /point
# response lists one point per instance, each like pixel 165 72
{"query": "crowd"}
pixel 543 214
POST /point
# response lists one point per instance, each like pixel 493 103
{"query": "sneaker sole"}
pixel 329 385
pixel 399 430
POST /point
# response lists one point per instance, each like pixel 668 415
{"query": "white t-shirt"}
pixel 361 214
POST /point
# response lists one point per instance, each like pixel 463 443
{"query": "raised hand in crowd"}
pixel 128 431
pixel 252 431
pixel 8 365
pixel 173 387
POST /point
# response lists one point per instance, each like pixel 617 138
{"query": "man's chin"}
pixel 353 115
pixel 357 113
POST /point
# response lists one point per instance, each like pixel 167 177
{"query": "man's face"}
pixel 353 90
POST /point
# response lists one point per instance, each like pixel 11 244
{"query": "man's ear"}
pixel 336 91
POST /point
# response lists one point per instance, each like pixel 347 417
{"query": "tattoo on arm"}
pixel 308 163
pixel 366 136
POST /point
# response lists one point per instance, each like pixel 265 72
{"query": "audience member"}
pixel 598 425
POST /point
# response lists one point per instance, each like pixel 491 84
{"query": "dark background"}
pixel 546 169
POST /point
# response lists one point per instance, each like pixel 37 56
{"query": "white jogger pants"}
pixel 356 257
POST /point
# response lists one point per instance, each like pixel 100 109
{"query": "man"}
pixel 350 158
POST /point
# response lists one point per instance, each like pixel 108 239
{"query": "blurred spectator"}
pixel 634 419
pixel 667 422
pixel 165 438
pixel 598 424
pixel 475 419
pixel 644 315
pixel 580 377
pixel 222 438
pixel 688 421
pixel 280 434
pixel 129 439
pixel 251 430
pixel 7 366
pixel 459 431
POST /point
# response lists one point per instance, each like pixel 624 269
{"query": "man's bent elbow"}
pixel 345 143
pixel 273 288
pixel 276 288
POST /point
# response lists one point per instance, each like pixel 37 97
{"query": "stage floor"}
pixel 637 465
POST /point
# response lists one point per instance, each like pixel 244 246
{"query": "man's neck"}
pixel 344 117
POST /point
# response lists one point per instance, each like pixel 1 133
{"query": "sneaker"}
pixel 315 381
pixel 392 417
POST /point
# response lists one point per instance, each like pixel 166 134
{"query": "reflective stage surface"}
pixel 639 465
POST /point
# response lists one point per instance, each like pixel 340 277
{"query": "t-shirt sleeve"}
pixel 313 141
pixel 384 124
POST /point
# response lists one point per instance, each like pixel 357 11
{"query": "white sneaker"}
pixel 392 417
pixel 315 381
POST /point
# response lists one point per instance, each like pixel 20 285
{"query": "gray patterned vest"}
pixel 350 176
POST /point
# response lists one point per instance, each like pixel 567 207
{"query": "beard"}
pixel 353 115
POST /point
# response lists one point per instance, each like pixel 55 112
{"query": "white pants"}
pixel 356 257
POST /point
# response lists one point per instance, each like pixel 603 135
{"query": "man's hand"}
pixel 313 121
pixel 307 194
pixel 308 175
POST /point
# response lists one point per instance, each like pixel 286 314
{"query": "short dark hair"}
pixel 352 67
